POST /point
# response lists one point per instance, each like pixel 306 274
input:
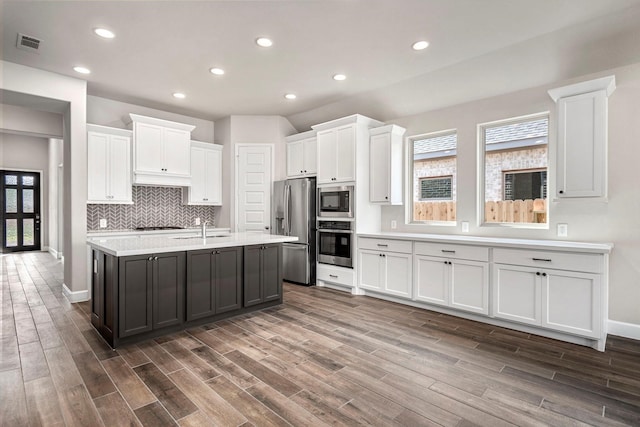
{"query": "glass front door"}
pixel 20 202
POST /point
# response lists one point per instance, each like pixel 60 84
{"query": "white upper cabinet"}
pixel 162 152
pixel 385 165
pixel 336 155
pixel 108 165
pixel 582 138
pixel 301 155
pixel 206 175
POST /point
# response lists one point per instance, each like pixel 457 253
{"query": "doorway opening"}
pixel 20 210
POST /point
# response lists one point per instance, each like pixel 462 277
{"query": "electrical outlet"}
pixel 465 226
pixel 103 223
pixel 197 221
pixel 563 230
pixel 394 224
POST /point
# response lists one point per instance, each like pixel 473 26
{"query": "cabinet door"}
pixel 228 279
pixel 213 178
pixel 198 175
pixel 119 169
pixel 177 151
pixel 310 156
pixel 135 295
pixel 148 148
pixel 582 135
pixel 379 162
pixel 517 294
pixel 345 154
pixel 97 172
pixel 272 272
pixel 327 150
pixel 431 279
pixel 295 159
pixel 200 284
pixel 251 287
pixel 371 270
pixel 572 302
pixel 397 274
pixel 469 289
pixel 168 289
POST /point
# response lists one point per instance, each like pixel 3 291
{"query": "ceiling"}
pixel 162 47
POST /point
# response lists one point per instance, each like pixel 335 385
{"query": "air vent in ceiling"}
pixel 28 43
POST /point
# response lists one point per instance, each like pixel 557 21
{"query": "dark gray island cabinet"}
pixel 139 297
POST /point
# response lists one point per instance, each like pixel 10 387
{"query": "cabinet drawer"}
pixel 474 253
pixel 588 263
pixel 385 245
pixel 341 276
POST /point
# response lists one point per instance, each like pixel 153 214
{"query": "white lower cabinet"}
pixel 385 266
pixel 331 274
pixel 451 282
pixel 542 293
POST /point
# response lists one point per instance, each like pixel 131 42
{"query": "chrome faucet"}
pixel 204 229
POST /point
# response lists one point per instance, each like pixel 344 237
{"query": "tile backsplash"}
pixel 152 206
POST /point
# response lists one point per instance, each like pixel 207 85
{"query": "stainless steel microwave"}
pixel 336 202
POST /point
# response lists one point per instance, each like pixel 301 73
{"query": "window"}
pixel 514 170
pixel 438 188
pixel 434 176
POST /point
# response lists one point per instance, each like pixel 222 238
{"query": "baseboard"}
pixel 77 296
pixel 622 329
pixel 53 252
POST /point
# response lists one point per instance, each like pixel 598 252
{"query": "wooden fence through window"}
pixel 510 211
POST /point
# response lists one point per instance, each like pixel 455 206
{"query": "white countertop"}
pixel 588 247
pixel 143 245
pixel 211 231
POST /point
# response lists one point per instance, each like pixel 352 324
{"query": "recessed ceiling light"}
pixel 290 96
pixel 217 71
pixel 420 45
pixel 179 95
pixel 264 42
pixel 339 77
pixel 82 70
pixel 104 33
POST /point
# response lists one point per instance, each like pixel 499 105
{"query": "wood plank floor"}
pixel 321 358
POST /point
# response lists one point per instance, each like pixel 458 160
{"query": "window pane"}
pixel 27 201
pixel 434 177
pixel 11 179
pixel 11 200
pixel 27 232
pixel 515 171
pixel 28 180
pixel 11 227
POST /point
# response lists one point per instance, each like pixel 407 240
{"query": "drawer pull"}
pixel 448 251
pixel 333 275
pixel 542 259
pixel 382 246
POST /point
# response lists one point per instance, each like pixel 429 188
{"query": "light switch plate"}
pixel 563 230
pixel 197 221
pixel 465 226
pixel 394 224
pixel 103 223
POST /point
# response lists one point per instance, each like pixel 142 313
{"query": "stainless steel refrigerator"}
pixel 294 214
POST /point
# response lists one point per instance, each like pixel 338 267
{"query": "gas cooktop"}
pixel 166 227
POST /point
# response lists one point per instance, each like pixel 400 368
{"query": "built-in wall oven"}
pixel 335 243
pixel 335 202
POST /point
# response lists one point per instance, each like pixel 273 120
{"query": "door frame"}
pixel 43 215
pixel 236 165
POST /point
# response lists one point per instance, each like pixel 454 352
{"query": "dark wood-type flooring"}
pixel 323 357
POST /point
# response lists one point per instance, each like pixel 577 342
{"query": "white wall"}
pixel 71 95
pixel 28 153
pixel 107 112
pixel 616 221
pixel 15 119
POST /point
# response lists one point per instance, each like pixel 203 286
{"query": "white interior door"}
pixel 253 178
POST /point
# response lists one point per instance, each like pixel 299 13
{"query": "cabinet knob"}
pixel 561 191
pixel 386 197
pixel 150 258
pixel 544 274
pixel 537 273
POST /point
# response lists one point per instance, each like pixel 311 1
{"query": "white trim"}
pixel 160 122
pixel 622 329
pixel 608 84
pixel 54 253
pixel 77 296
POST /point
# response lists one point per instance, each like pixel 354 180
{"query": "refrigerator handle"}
pixel 285 225
pixel 288 210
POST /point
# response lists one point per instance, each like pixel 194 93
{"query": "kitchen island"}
pixel 145 287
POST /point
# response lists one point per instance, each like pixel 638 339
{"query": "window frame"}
pixel 481 163
pixel 409 187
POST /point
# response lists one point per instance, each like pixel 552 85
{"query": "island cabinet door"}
pixel 272 272
pixel 200 284
pixel 168 289
pixel 252 275
pixel 135 295
pixel 228 279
